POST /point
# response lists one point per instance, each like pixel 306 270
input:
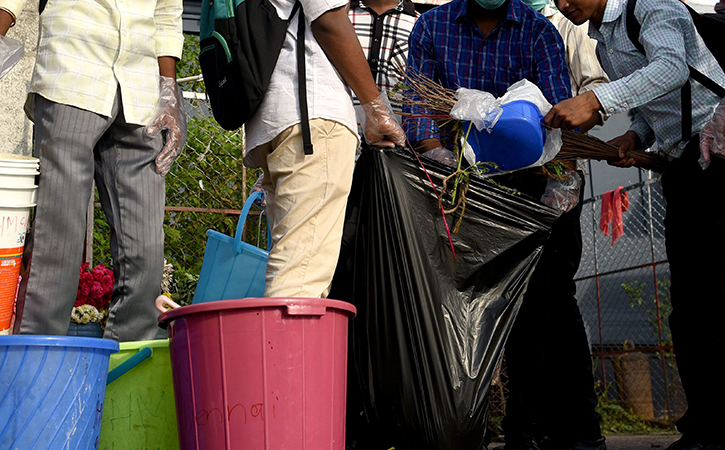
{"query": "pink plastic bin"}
pixel 260 373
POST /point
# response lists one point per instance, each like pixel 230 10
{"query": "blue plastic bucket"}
pixel 52 391
pixel 516 141
pixel 231 268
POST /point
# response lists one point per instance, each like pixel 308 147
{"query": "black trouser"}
pixel 549 365
pixel 695 239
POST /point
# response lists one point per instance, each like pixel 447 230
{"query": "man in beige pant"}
pixel 307 194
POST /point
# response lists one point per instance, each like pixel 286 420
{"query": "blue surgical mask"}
pixel 538 5
pixel 490 4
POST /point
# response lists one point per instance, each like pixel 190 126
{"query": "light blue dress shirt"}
pixel 652 83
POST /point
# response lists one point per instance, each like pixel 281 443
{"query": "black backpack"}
pixel 240 45
pixel 711 28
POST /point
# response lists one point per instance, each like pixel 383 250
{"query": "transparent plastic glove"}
pixel 11 51
pixel 712 137
pixel 381 128
pixel 442 155
pixel 257 187
pixel 171 118
pixel 563 194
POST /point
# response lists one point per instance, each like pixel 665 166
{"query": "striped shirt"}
pixel 384 40
pixel 651 84
pixel 88 48
pixel 446 46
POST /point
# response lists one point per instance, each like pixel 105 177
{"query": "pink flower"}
pixel 95 286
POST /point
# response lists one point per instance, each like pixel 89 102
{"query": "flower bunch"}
pixel 94 293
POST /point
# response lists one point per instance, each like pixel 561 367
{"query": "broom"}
pixel 419 90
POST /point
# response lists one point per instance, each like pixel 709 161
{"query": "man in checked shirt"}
pixel 103 89
pixel 490 45
pixel 653 83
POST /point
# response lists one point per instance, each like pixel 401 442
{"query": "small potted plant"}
pixel 91 306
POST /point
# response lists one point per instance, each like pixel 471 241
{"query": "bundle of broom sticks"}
pixel 428 94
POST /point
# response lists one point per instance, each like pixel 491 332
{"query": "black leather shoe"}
pixel 686 442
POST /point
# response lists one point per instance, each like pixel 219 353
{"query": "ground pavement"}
pixel 629 442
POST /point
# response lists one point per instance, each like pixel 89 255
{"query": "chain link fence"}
pixel 623 292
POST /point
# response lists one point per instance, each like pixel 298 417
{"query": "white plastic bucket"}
pixel 17 177
pixel 18 196
pixel 13 226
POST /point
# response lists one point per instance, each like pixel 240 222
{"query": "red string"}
pixel 445 222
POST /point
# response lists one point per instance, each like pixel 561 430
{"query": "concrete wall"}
pixel 15 129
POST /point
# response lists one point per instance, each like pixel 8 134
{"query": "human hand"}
pixel 170 117
pixel 442 155
pixel 625 143
pixel 712 137
pixel 11 51
pixel 257 187
pixel 380 127
pixel 573 112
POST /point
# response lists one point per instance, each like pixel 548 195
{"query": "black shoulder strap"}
pixel 633 31
pixel 302 74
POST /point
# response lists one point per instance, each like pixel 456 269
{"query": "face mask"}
pixel 490 4
pixel 538 5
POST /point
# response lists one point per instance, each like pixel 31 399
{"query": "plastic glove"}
pixel 257 187
pixel 712 137
pixel 442 155
pixel 563 194
pixel 171 118
pixel 11 51
pixel 381 128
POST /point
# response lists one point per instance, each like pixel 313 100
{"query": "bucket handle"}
pixel 129 364
pixel 243 219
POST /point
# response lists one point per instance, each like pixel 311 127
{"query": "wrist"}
pixel 7 20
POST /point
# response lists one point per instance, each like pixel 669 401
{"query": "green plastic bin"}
pixel 139 410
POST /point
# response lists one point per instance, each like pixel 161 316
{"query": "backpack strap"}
pixel 633 31
pixel 302 82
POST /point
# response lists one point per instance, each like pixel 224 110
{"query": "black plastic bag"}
pixel 430 327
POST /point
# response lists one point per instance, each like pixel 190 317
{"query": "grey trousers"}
pixel 74 147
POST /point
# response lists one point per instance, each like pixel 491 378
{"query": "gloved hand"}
pixel 170 117
pixel 563 194
pixel 381 128
pixel 257 187
pixel 712 137
pixel 442 155
pixel 11 51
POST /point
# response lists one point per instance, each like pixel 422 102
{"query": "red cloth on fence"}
pixel 614 203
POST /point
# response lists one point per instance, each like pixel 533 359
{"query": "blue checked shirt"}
pixel 651 83
pixel 446 46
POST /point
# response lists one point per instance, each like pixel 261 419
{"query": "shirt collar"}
pixel 613 10
pixel 513 11
pixel 405 6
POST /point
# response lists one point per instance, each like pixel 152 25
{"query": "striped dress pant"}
pixel 74 147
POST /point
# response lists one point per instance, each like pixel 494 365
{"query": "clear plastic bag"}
pixel 11 52
pixel 563 194
pixel 712 137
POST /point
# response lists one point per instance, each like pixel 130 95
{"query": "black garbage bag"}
pixel 431 327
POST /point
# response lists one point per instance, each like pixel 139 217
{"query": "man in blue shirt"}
pixel 650 82
pixel 490 45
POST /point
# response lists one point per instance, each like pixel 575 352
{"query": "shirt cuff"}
pixel 171 44
pixel 608 98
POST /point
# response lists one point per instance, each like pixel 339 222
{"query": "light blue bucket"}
pixel 51 391
pixel 232 268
